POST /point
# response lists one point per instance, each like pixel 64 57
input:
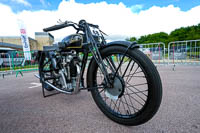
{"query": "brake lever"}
pixel 59 21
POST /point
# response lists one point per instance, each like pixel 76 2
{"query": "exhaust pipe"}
pixel 46 82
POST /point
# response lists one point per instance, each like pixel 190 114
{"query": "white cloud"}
pixel 8 23
pixel 24 2
pixel 116 20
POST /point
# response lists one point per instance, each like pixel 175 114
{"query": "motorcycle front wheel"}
pixel 136 92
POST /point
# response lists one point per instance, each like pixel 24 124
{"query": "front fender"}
pixel 124 43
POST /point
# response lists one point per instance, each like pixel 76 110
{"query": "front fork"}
pixel 97 56
pixel 114 69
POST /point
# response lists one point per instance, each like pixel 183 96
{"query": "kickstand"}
pixel 47 95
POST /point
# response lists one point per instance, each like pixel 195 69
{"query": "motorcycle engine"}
pixel 70 72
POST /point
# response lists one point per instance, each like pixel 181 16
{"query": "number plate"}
pixel 95 31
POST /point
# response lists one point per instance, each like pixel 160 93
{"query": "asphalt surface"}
pixel 24 110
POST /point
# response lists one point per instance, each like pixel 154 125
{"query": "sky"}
pixel 119 19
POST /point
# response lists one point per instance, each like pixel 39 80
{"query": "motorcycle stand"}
pixel 48 95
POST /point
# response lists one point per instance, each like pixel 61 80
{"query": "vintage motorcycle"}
pixel 123 81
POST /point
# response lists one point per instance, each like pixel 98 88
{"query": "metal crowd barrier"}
pixel 5 64
pixel 14 61
pixel 179 53
pixel 155 51
pixel 184 52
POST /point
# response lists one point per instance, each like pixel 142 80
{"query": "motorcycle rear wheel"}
pixel 44 65
pixel 141 96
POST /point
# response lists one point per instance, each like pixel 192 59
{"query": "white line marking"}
pixel 35 85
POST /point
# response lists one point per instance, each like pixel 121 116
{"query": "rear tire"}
pixel 130 113
pixel 42 67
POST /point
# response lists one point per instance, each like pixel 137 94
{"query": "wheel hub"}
pixel 117 89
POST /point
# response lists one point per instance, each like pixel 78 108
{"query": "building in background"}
pixel 14 42
pixel 43 39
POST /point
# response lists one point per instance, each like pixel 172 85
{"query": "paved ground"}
pixel 24 110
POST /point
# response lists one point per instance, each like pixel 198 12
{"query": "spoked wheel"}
pixel 136 91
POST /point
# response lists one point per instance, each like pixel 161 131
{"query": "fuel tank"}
pixel 73 41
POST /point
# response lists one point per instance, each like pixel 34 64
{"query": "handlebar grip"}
pixel 55 27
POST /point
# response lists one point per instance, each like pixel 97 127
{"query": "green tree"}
pixel 153 38
pixel 132 39
pixel 180 34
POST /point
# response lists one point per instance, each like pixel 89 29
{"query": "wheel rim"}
pixel 135 93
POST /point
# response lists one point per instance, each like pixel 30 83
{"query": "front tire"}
pixel 142 94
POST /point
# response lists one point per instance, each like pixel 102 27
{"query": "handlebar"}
pixel 55 27
pixel 68 23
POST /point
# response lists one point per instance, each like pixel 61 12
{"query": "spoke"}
pixel 136 89
pixel 136 100
pixel 138 72
pixel 122 104
pixel 136 95
pixel 137 84
pixel 127 104
pixel 130 70
pixel 131 102
pixel 119 67
pixel 112 68
pixel 132 66
pixel 136 76
pixel 120 71
pixel 112 62
pixel 116 104
pixel 126 68
pixel 136 92
pixel 133 74
pixel 119 106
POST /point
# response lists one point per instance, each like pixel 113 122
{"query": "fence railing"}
pixel 14 61
pixel 5 63
pixel 184 52
pixel 155 51
pixel 178 53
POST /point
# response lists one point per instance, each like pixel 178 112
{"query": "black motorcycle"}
pixel 123 81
